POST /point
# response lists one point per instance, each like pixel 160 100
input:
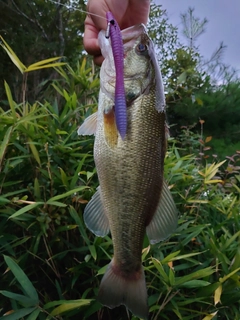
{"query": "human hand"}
pixel 126 12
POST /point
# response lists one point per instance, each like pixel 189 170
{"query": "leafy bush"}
pixel 52 265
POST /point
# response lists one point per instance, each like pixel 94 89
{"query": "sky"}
pixel 223 25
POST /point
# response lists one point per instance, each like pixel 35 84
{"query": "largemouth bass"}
pixel 133 197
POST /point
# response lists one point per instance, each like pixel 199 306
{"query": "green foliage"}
pixel 37 30
pixel 219 108
pixel 52 265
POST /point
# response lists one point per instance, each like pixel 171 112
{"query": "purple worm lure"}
pixel 114 32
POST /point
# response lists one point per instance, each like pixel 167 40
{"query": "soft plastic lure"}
pixel 114 32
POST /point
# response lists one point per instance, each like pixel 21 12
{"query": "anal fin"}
pixel 164 221
pixel 94 215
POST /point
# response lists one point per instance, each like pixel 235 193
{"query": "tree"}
pixel 37 30
pixel 192 26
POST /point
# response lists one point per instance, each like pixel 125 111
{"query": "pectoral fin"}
pixel 89 125
pixel 110 128
pixel 164 221
pixel 95 217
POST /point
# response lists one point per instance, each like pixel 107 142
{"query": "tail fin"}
pixel 131 291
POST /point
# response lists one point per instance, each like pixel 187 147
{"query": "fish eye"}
pixel 141 48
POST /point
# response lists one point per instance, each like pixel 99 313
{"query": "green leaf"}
pixel 21 67
pixel 23 280
pixel 4 200
pixel 37 192
pixel 50 65
pixel 5 142
pixel 174 256
pixel 19 314
pixel 223 279
pixel 56 203
pixel 210 316
pixel 42 62
pixel 69 193
pixel 70 305
pixel 25 301
pixel 160 269
pixel 80 224
pixel 182 78
pixel 217 295
pixel 195 284
pixel 34 151
pixel 92 249
pixel 208 290
pixel 195 275
pixel 10 101
pixel 64 178
pixel 34 315
pixel 102 270
pixel 27 208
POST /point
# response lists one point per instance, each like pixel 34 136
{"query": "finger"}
pixel 98 60
pixel 98 17
pixel 90 39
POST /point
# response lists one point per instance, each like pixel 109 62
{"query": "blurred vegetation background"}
pixel 50 264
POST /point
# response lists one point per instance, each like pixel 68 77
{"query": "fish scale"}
pixel 128 195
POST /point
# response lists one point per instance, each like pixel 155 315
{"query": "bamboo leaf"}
pixel 69 193
pixel 229 275
pixel 217 295
pixel 210 316
pixel 195 275
pixel 45 61
pixel 160 269
pixel 34 315
pixel 92 249
pixel 10 101
pixel 80 224
pixel 25 209
pixel 50 65
pixel 19 314
pixel 56 203
pixel 212 170
pixel 231 240
pixel 212 181
pixel 25 301
pixel 64 178
pixel 58 89
pixel 37 192
pixel 180 257
pixel 197 201
pixel 23 280
pixel 68 306
pixel 102 270
pixel 21 67
pixel 195 284
pixel 34 151
pixel 52 304
pixel 5 143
